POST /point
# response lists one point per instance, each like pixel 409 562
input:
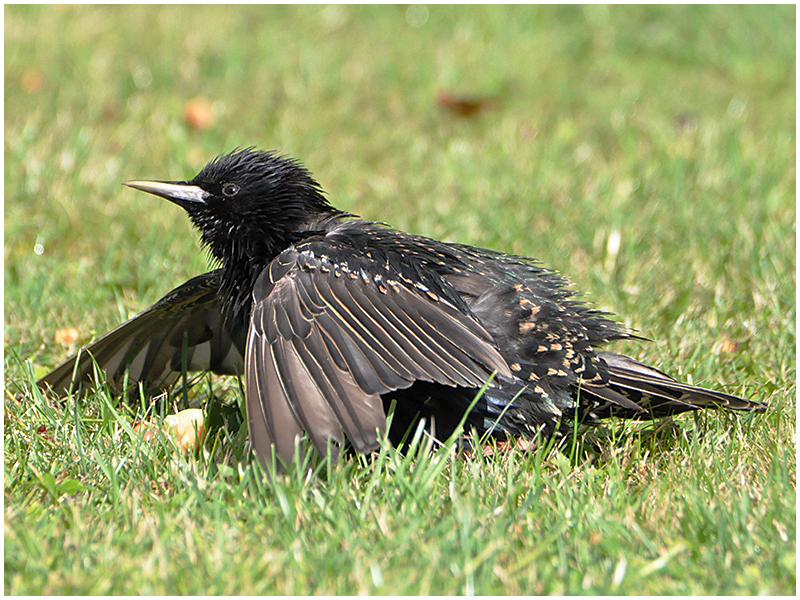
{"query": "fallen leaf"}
pixel 186 427
pixel 31 81
pixel 42 431
pixel 725 346
pixel 465 106
pixel 198 113
pixel 67 336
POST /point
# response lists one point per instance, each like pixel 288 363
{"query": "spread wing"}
pixel 328 337
pixel 151 344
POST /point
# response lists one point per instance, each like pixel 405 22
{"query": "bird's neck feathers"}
pixel 254 238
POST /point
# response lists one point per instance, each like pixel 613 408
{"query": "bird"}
pixel 331 319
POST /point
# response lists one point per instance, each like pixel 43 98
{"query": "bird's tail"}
pixel 636 391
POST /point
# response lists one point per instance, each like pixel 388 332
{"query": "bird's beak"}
pixel 180 192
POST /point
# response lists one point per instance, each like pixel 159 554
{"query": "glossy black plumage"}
pixel 330 318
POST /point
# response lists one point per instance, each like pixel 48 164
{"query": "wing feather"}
pixel 313 414
pixel 434 346
pixel 354 339
pixel 360 415
pixel 150 345
pixel 336 343
pixel 271 423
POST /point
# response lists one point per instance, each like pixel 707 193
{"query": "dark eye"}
pixel 230 189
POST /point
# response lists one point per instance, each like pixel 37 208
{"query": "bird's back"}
pixel 548 338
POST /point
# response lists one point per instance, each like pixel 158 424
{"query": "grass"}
pixel 669 129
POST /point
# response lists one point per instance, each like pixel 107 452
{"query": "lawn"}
pixel 648 153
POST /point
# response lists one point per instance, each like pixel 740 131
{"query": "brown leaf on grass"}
pixel 31 81
pixel 146 428
pixel 186 427
pixel 726 346
pixel 66 336
pixel 198 113
pixel 42 431
pixel 465 106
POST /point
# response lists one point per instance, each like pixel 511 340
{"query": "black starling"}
pixel 336 317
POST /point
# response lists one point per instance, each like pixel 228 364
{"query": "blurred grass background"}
pixel 646 152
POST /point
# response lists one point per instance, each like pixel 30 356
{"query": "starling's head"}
pixel 247 203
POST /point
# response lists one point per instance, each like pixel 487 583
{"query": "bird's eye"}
pixel 230 189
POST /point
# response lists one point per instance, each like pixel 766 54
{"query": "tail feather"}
pixel 656 394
